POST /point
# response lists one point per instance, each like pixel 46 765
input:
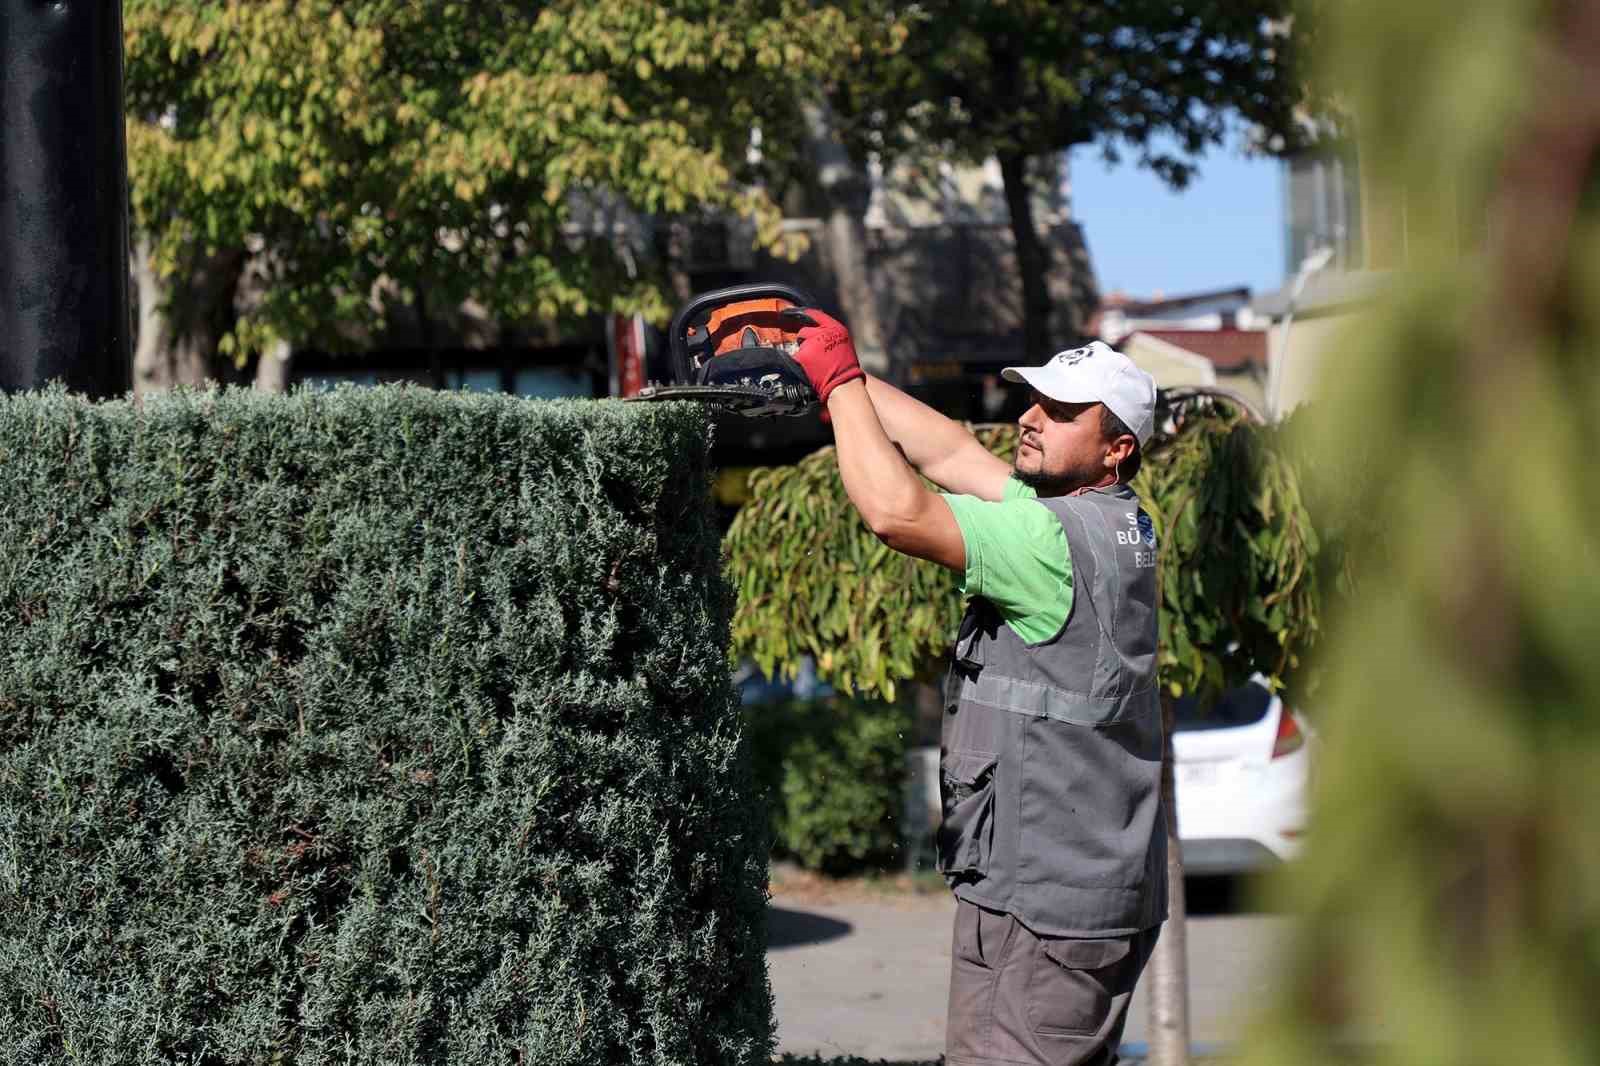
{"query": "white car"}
pixel 1243 772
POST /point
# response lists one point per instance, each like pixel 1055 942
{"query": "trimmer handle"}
pixel 701 306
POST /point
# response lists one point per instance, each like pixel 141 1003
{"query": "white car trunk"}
pixel 1239 808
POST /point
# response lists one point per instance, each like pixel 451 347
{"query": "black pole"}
pixel 64 313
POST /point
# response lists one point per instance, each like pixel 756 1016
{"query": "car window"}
pixel 1245 705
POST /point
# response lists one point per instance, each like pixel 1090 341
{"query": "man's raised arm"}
pixel 899 509
pixel 943 450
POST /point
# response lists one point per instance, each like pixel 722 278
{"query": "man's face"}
pixel 1061 447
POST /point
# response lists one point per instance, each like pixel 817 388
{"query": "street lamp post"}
pixel 64 313
pixel 1278 360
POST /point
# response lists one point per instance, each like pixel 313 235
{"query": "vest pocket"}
pixel 966 792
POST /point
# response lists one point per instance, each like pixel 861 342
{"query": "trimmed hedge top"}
pixel 370 726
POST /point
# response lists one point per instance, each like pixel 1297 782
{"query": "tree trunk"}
pixel 672 246
pixel 181 318
pixel 272 371
pixel 1033 259
pixel 1169 966
pixel 846 191
pixel 430 343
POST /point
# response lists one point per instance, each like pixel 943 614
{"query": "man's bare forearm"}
pixel 892 500
pixel 942 449
pixel 922 433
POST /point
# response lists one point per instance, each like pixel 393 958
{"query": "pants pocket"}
pixel 1075 982
pixel 966 791
pixel 981 935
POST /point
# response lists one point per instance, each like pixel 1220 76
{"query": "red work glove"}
pixel 827 354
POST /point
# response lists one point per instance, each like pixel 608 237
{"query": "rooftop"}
pixel 1228 349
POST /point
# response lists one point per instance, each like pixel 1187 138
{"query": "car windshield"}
pixel 1245 705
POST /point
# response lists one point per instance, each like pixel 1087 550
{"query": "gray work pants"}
pixel 1020 998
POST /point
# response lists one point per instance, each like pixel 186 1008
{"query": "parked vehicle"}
pixel 755 687
pixel 1243 772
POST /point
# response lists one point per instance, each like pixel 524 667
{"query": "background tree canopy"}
pixel 300 168
pixel 378 152
pixel 1020 81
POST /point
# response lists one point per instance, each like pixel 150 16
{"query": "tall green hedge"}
pixel 384 727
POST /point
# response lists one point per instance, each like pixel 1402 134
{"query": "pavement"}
pixel 864 971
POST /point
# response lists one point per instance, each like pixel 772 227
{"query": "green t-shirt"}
pixel 1017 559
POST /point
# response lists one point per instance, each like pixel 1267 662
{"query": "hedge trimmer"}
pixel 734 349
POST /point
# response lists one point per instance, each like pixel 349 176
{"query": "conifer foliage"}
pixel 370 727
pixel 1450 899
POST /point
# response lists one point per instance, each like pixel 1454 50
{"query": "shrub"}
pixel 834 774
pixel 814 581
pixel 371 727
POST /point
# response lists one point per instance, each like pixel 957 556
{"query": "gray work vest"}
pixel 1050 769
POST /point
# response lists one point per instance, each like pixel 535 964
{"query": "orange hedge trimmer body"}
pixel 734 348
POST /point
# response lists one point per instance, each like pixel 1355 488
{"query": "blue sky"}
pixel 1225 229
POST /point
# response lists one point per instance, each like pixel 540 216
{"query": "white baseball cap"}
pixel 1096 373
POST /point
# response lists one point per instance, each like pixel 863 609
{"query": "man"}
pixel 1050 761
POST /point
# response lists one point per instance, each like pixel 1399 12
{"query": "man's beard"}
pixel 1061 484
pixel 1042 483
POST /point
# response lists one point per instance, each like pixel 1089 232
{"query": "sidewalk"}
pixel 864 971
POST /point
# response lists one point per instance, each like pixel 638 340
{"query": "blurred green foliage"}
pixel 1450 898
pixel 834 774
pixel 1238 568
